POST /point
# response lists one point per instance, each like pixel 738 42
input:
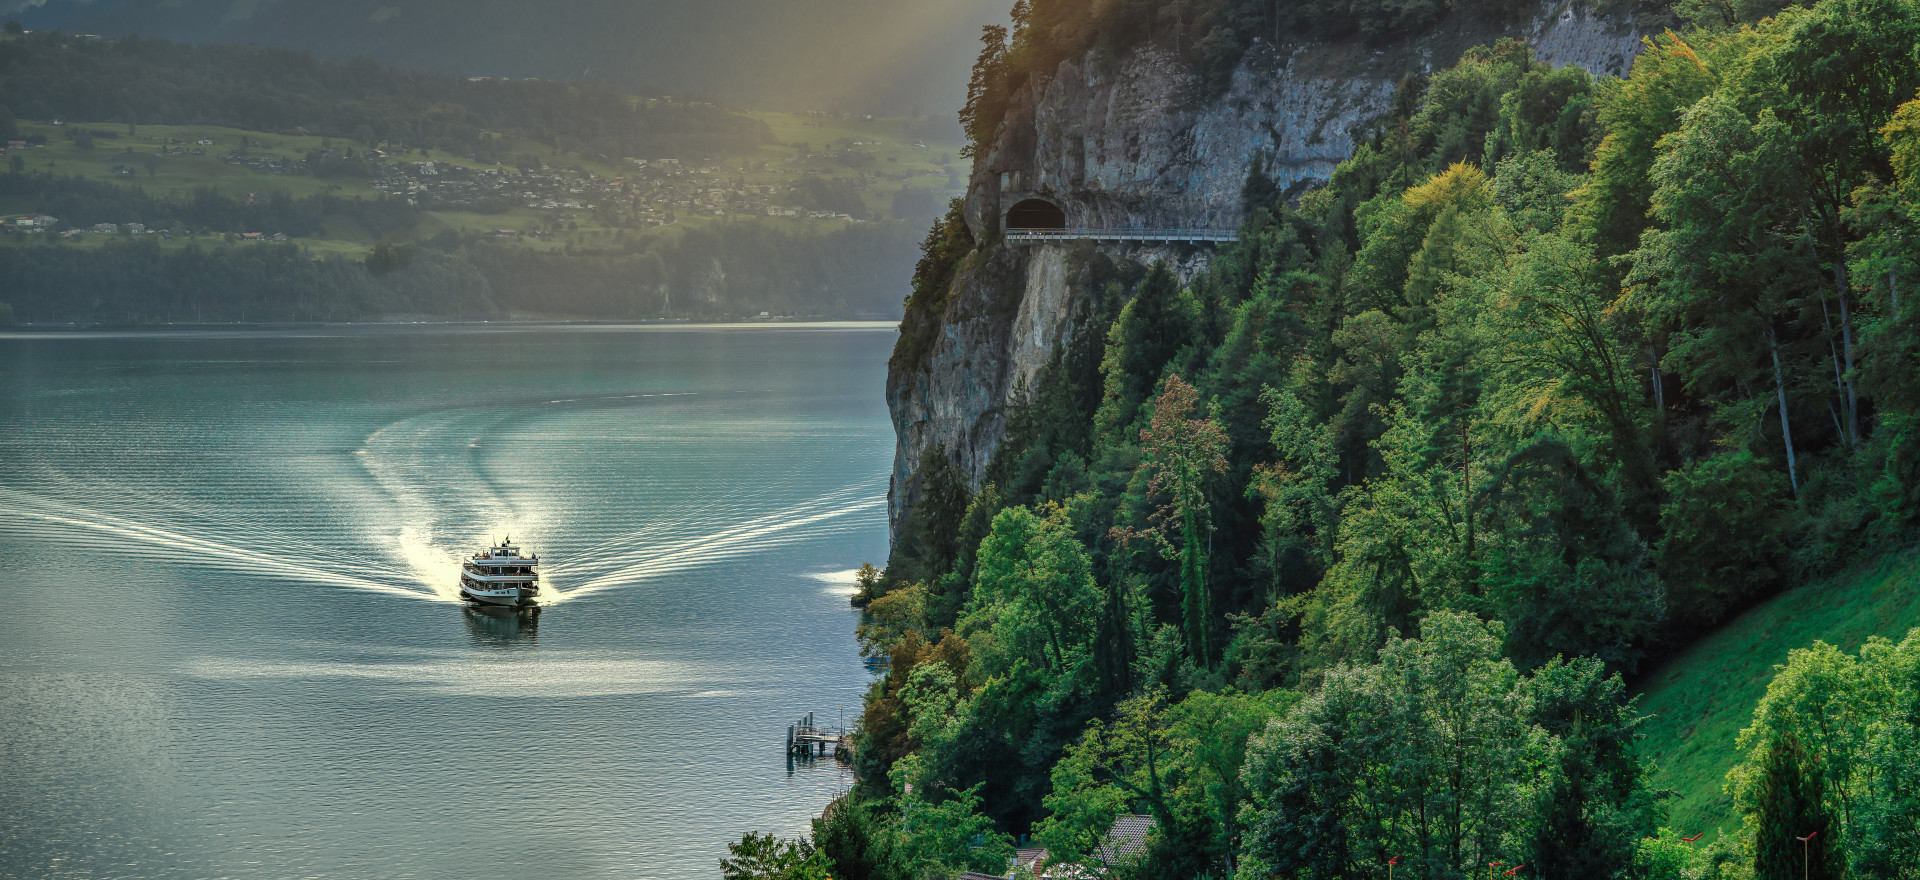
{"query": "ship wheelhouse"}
pixel 500 575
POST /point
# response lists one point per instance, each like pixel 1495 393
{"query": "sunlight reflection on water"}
pixel 235 641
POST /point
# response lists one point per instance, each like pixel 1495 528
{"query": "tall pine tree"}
pixel 1789 804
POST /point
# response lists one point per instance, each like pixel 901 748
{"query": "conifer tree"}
pixel 1789 804
pixel 1182 453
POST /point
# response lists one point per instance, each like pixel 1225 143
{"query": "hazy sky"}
pixel 887 56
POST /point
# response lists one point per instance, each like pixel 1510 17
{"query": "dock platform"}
pixel 806 739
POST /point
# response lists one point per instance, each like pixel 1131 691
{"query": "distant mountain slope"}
pixel 878 56
pixel 1700 700
pixel 51 75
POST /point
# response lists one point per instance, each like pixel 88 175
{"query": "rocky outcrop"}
pixel 1010 310
pixel 1133 142
pixel 953 401
pixel 1115 145
pixel 1136 142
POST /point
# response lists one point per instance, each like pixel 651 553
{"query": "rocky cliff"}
pixel 1134 142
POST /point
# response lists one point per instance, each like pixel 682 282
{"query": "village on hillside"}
pixel 533 197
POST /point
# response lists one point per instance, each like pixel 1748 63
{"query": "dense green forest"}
pixel 1340 554
pixel 719 271
pixel 156 82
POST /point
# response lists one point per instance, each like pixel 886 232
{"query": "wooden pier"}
pixel 806 739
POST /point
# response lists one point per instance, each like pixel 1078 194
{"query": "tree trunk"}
pixel 1846 339
pixel 1893 293
pixel 1833 357
pixel 1179 25
pixel 1466 491
pixel 1659 387
pixel 1059 657
pixel 1786 426
pixel 1841 382
pixel 1193 577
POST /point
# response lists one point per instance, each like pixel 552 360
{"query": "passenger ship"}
pixel 501 577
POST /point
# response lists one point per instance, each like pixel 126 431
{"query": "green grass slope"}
pixel 1701 699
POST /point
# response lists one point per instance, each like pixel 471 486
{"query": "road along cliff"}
pixel 1136 142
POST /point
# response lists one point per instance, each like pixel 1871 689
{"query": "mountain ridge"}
pixel 843 55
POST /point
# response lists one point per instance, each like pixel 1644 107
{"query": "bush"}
pixel 1722 533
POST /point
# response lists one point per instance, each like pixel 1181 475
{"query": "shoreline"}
pixel 33 330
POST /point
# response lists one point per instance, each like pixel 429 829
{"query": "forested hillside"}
pixel 721 272
pixel 1338 553
pixel 155 82
pixel 142 175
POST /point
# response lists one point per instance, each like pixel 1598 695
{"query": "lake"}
pixel 233 647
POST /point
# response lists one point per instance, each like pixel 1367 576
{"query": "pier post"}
pixel 789 739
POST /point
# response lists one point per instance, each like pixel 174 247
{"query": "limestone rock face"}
pixel 953 401
pixel 1117 146
pixel 1138 142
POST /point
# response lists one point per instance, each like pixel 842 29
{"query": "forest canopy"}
pixel 1343 549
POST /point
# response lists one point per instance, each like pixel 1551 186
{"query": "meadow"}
pixel 1698 702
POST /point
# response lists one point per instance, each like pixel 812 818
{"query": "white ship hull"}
pixel 499 598
pixel 500 578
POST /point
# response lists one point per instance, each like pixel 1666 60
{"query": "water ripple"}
pixel 233 641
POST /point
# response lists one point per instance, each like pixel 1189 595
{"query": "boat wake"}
pixel 435 497
pixel 433 567
pixel 438 526
pixel 408 460
pixel 74 525
pixel 653 559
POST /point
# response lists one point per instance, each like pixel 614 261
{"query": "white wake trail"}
pixel 631 538
pixel 184 516
pixel 771 523
pixel 398 455
pixel 689 553
pixel 227 556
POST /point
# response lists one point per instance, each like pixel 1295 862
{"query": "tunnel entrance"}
pixel 1036 214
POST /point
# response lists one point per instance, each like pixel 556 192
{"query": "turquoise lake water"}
pixel 232 648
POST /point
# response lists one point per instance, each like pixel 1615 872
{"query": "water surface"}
pixel 232 648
